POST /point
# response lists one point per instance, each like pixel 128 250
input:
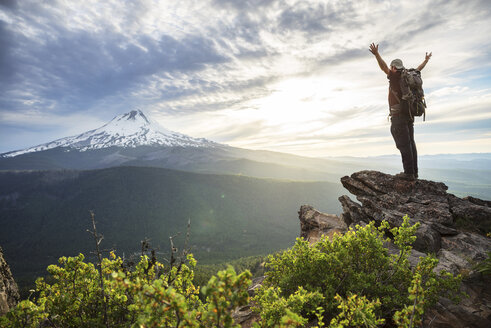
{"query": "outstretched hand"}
pixel 428 56
pixel 374 49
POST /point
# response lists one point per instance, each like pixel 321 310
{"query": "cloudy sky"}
pixel 291 76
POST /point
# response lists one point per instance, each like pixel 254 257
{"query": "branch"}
pixel 98 239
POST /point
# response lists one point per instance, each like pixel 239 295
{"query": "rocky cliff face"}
pixel 450 227
pixel 9 293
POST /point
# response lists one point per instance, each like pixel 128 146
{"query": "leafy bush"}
pixel 349 281
pixel 352 281
pixel 146 296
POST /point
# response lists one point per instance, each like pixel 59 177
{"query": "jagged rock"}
pixel 243 315
pixel 386 197
pixel 443 230
pixel 352 212
pixel 470 248
pixel 256 283
pixel 413 256
pixel 476 212
pixel 428 239
pixel 472 311
pixel 314 224
pixel 9 292
pixel 478 201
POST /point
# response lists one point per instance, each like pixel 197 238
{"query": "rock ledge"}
pixel 452 228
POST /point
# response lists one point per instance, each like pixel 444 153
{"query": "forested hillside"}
pixel 45 215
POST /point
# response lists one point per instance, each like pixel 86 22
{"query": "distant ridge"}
pixel 128 130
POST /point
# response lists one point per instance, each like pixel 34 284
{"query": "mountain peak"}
pixel 127 130
pixel 134 115
pixel 133 122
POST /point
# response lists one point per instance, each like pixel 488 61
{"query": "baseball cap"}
pixel 397 63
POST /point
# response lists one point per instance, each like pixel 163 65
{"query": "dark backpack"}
pixel 412 92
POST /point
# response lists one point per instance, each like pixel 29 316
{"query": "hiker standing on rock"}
pixel 402 122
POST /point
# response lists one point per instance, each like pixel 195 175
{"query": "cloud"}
pixel 78 68
pixel 10 4
pixel 7 58
pixel 270 70
pixel 245 5
pixel 306 17
pixel 35 127
pixel 446 91
pixel 238 132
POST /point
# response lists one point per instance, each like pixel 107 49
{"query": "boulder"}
pixel 314 224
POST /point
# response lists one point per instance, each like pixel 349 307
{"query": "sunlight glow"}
pixel 301 100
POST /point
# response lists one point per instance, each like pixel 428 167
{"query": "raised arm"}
pixel 423 64
pixel 380 61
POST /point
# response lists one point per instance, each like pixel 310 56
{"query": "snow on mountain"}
pixel 127 130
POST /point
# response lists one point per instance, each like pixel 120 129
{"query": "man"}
pixel 402 124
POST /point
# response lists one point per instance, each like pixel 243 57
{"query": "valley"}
pixel 45 214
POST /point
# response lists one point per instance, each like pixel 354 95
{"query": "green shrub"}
pixel 350 279
pixel 147 296
pixel 356 312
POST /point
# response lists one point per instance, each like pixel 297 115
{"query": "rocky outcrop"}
pixel 9 293
pixel 314 224
pixel 385 197
pixel 450 227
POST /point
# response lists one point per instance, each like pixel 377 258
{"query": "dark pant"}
pixel 402 129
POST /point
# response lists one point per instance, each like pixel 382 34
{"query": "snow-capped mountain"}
pixel 128 130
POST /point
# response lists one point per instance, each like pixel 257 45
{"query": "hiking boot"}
pixel 406 176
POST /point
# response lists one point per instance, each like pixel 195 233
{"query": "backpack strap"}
pixel 424 113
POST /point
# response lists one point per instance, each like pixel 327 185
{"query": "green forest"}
pixel 45 214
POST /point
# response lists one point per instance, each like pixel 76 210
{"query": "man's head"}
pixel 397 64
